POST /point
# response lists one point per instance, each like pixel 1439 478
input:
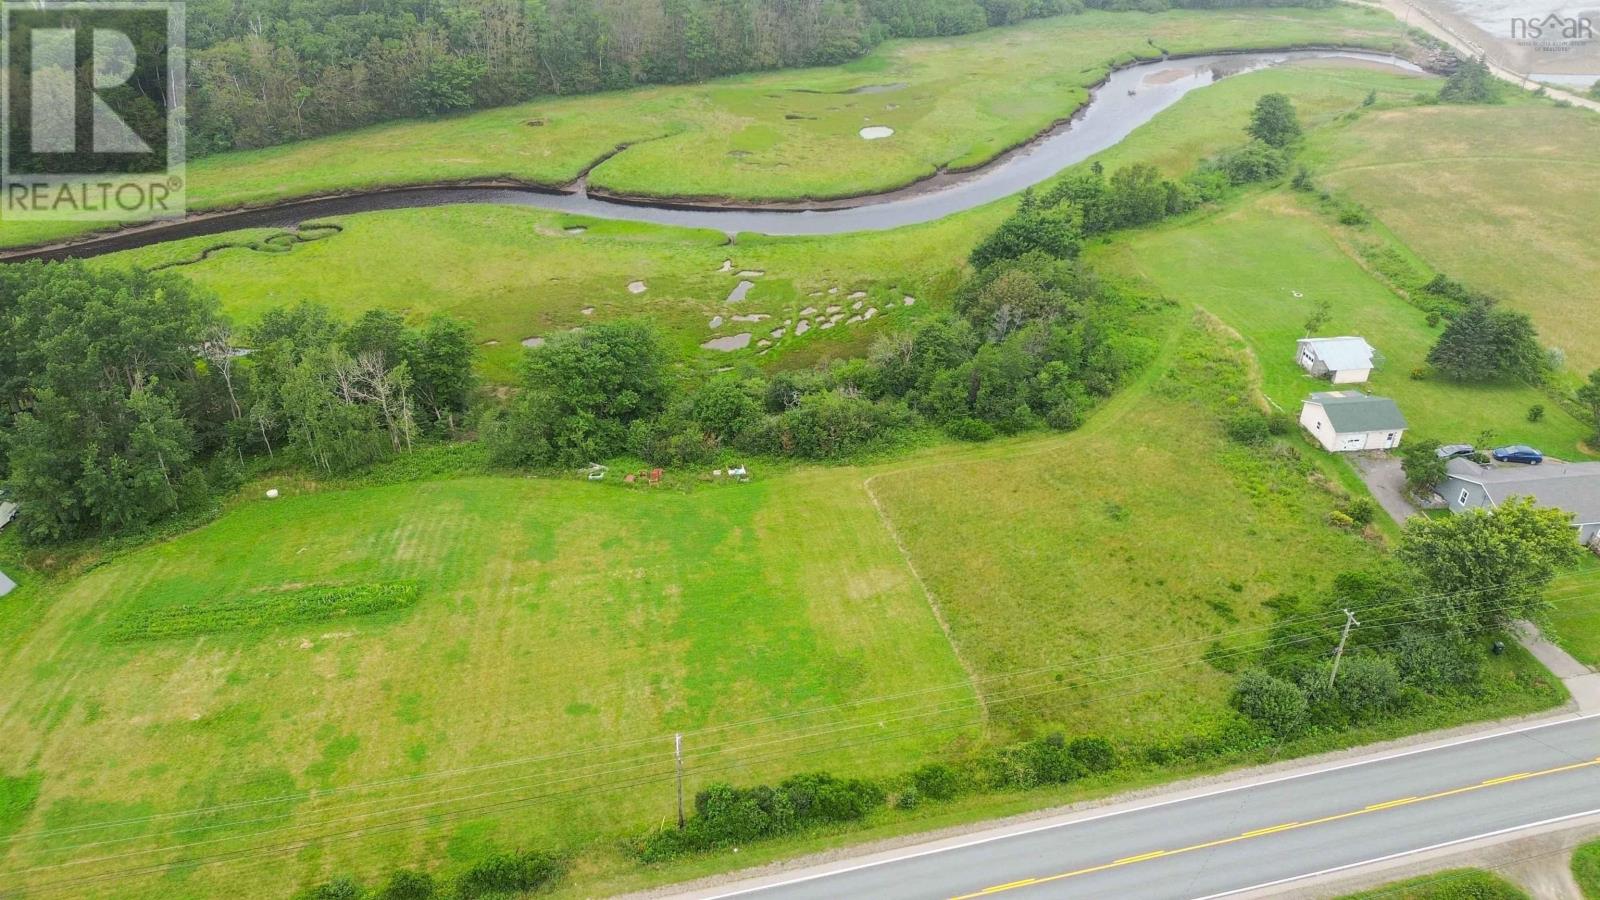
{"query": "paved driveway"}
pixel 1387 481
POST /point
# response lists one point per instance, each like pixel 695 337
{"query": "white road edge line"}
pixel 1382 859
pixel 1106 815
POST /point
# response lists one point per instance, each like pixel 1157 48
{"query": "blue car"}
pixel 1518 453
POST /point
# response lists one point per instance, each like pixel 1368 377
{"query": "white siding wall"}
pixel 1314 418
pixel 1351 376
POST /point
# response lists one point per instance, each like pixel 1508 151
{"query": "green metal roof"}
pixel 1354 411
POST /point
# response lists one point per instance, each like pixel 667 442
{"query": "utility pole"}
pixel 1349 623
pixel 677 753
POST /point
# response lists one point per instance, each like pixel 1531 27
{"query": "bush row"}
pixel 504 874
pixel 318 603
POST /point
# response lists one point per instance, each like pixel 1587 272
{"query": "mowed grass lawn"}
pixel 1245 264
pixel 780 135
pixel 1086 580
pixel 563 632
pixel 1504 199
pixel 516 273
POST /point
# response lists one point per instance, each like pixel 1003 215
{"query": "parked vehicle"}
pixel 1451 451
pixel 1518 453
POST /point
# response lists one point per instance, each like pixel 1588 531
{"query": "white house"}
pixel 1342 360
pixel 1344 421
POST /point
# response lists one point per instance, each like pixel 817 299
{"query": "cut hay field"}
pixel 561 633
pixel 1245 263
pixel 516 273
pixel 1502 198
pixel 782 135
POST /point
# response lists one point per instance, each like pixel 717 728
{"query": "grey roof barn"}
pixel 1355 411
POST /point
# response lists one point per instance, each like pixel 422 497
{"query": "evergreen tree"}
pixel 1471 82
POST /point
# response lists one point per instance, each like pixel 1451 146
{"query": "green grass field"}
pixel 1245 264
pixel 1586 869
pixel 782 135
pixel 1454 884
pixel 516 273
pixel 554 622
pixel 557 625
pixel 561 631
pixel 1516 186
pixel 1025 552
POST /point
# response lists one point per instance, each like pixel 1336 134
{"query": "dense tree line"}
pixel 125 396
pixel 277 70
pixel 271 71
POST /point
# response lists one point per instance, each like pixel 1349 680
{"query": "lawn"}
pixel 1455 884
pixel 780 135
pixel 1517 187
pixel 561 632
pixel 1247 262
pixel 1576 614
pixel 1586 869
pixel 516 273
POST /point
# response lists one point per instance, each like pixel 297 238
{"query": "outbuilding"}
pixel 1574 487
pixel 1341 360
pixel 1347 421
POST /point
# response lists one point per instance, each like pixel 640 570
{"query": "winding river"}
pixel 1129 98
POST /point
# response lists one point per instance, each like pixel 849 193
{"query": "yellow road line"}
pixel 1391 804
pixel 1260 831
pixel 1275 829
pixel 1140 858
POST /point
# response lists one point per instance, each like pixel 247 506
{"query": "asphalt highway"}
pixel 1245 837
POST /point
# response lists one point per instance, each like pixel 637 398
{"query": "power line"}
pixel 1014 694
pixel 1024 694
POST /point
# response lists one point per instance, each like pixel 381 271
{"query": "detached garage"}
pixel 1347 421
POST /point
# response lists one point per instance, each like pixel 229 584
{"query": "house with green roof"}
pixel 1348 421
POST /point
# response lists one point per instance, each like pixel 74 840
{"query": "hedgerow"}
pixel 318 603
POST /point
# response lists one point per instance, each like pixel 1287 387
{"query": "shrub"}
pixel 938 781
pixel 908 799
pixel 1367 686
pixel 1340 519
pixel 1249 428
pixel 1536 412
pixel 1272 703
pixel 726 816
pixel 342 888
pixel 970 429
pixel 408 884
pixel 1255 162
pixel 1433 661
pixel 521 871
pixel 1361 510
pixel 1096 754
